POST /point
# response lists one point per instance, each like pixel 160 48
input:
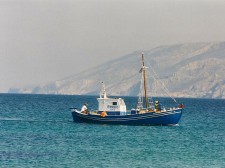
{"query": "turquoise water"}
pixel 38 131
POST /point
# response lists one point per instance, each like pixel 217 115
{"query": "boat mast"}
pixel 145 82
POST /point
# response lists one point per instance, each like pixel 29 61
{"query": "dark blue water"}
pixel 38 131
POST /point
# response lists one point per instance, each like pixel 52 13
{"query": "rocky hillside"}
pixel 187 70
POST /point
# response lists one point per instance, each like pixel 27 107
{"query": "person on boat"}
pixel 84 108
pixel 157 106
pixel 181 105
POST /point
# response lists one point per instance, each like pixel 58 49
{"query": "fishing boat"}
pixel 114 111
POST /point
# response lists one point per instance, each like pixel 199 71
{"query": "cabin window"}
pixel 114 103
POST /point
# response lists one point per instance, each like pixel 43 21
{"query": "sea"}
pixel 38 131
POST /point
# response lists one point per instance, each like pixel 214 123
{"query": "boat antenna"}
pixel 103 91
pixel 143 70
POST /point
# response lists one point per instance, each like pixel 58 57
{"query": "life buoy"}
pixel 103 114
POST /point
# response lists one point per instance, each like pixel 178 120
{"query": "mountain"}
pixel 187 70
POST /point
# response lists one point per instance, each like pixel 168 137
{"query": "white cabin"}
pixel 110 104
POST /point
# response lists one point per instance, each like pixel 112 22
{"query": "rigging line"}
pixel 156 77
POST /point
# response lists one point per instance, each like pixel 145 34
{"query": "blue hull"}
pixel 163 118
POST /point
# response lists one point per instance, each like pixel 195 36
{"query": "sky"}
pixel 47 40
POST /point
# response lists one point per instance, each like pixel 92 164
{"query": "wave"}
pixel 31 120
pixel 10 119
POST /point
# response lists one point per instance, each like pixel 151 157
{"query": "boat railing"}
pixel 73 109
pixel 94 112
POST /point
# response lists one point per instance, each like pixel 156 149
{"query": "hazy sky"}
pixel 46 40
